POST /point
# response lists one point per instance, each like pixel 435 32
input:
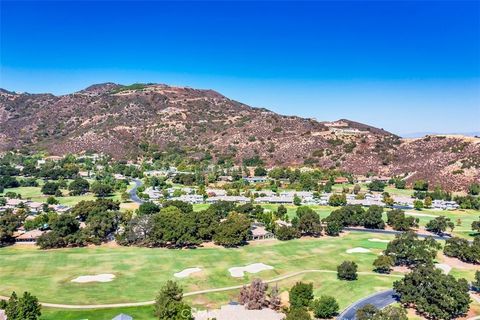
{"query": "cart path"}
pixel 193 293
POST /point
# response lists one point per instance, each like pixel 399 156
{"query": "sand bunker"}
pixel 378 240
pixel 358 250
pixel 444 267
pixel 416 214
pixel 185 273
pixel 105 277
pixel 238 272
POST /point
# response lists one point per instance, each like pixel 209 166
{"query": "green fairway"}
pixel 141 271
pixel 35 194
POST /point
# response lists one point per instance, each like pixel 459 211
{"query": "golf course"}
pixel 139 272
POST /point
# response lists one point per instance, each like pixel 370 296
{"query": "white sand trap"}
pixel 358 250
pixel 105 277
pixel 238 272
pixel 378 240
pixel 185 273
pixel 416 214
pixel 444 267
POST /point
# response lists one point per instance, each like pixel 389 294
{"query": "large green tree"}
pixel 26 307
pixel 406 249
pixel 301 295
pixel 233 231
pixel 434 294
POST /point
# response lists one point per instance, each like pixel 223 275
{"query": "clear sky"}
pixel 409 66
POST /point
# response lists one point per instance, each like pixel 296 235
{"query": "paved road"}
pixel 133 192
pixel 193 293
pixel 379 300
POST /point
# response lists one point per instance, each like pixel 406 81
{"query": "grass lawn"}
pixel 141 271
pixel 34 194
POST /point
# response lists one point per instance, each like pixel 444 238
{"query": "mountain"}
pixel 119 120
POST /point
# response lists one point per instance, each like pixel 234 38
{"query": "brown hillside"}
pixel 114 119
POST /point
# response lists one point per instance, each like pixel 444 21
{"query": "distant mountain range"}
pixel 123 120
pixel 423 134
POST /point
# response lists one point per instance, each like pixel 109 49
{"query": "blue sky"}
pixel 404 66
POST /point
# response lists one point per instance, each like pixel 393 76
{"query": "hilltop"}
pixel 120 120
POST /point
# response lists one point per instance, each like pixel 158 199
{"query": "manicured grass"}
pixel 35 194
pixel 138 313
pixel 141 271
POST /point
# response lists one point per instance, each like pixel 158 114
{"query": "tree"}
pixel 398 221
pixel 462 249
pixel 281 211
pixel 439 225
pixel 148 208
pixel 284 233
pixel 50 188
pixel 297 200
pixel 370 312
pixel 391 313
pixel 260 172
pixel 420 185
pixel 406 249
pixel 476 226
pixel 79 186
pixel 233 231
pixel 274 298
pixel 309 223
pixel 9 223
pixel 356 189
pixel 372 218
pixel 254 296
pixel 427 203
pixel 337 200
pixel 376 185
pixel 65 225
pixel 367 312
pixel 434 294
pixel 333 228
pixel 52 200
pixel 101 189
pixel 325 307
pixel 474 189
pixel 169 304
pixel 418 204
pixel 298 314
pixel 383 264
pixel 476 282
pixel 347 271
pixel 400 184
pixel 301 295
pixel 26 307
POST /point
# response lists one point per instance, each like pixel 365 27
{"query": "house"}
pixel 35 207
pixel 444 205
pixel 259 232
pixel 29 236
pixel 59 208
pixel 240 199
pixel 119 176
pixel 216 192
pixel 122 316
pixel 14 202
pixel 255 179
pixel 341 180
pixel 189 198
pixel 274 199
pixel 225 178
